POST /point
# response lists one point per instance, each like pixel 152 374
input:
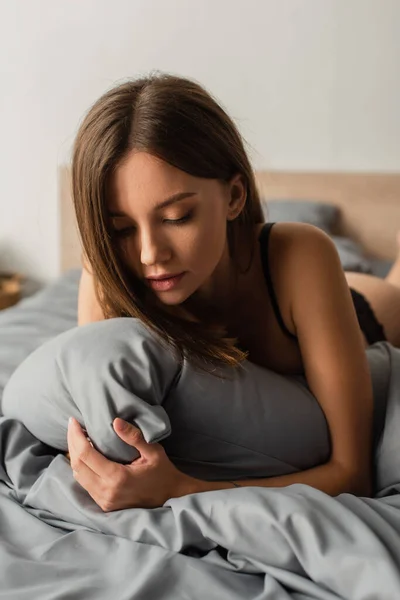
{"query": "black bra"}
pixel 264 247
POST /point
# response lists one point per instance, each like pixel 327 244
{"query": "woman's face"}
pixel 171 226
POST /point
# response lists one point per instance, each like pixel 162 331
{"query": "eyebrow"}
pixel 171 200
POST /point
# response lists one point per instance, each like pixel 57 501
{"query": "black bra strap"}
pixel 264 246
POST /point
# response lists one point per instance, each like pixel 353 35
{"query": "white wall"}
pixel 313 84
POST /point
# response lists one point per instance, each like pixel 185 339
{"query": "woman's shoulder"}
pixel 296 244
pixel 305 271
pixel 289 232
pixel 300 257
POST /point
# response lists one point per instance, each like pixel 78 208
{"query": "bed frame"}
pixel 369 206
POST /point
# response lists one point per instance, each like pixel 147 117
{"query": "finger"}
pixel 133 436
pixel 82 452
pixel 89 480
pixel 77 444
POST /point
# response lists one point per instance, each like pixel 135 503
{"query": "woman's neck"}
pixel 228 288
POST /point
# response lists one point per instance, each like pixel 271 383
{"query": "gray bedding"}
pixel 249 543
pixel 35 320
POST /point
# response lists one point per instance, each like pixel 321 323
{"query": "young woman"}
pixel 173 233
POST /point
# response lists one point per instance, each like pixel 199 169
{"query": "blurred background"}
pixel 312 84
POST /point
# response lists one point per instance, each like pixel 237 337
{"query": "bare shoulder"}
pixel 291 238
pixel 298 249
pixel 304 262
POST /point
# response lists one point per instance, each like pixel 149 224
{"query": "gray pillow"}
pixel 251 422
pixel 351 255
pixel 319 214
pixel 380 267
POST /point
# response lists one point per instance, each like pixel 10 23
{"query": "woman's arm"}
pixel 89 309
pixel 328 478
pixel 334 358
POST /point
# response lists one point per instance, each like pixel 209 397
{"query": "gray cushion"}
pixel 351 255
pixel 319 214
pixel 251 423
pixel 380 267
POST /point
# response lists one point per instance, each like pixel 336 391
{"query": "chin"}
pixel 173 298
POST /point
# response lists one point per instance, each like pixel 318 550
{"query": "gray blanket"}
pixel 249 543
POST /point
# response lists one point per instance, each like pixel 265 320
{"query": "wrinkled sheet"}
pixel 248 543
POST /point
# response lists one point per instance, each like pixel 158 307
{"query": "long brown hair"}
pixel 177 120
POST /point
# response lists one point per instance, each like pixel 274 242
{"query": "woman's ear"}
pixel 237 196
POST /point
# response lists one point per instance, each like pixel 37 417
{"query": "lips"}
pixel 165 282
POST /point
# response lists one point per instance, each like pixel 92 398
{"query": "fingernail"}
pixel 70 420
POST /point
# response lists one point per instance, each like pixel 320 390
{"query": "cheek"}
pixel 207 246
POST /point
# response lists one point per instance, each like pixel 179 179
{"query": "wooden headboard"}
pixel 369 206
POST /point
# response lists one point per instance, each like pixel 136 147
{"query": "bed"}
pixel 242 543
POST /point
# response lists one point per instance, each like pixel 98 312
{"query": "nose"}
pixel 154 249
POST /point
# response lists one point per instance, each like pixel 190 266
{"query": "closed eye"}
pixel 127 231
pixel 180 221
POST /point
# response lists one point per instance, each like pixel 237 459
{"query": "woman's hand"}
pixel 147 482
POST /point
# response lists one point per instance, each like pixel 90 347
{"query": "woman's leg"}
pixel 383 296
pixel 394 274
